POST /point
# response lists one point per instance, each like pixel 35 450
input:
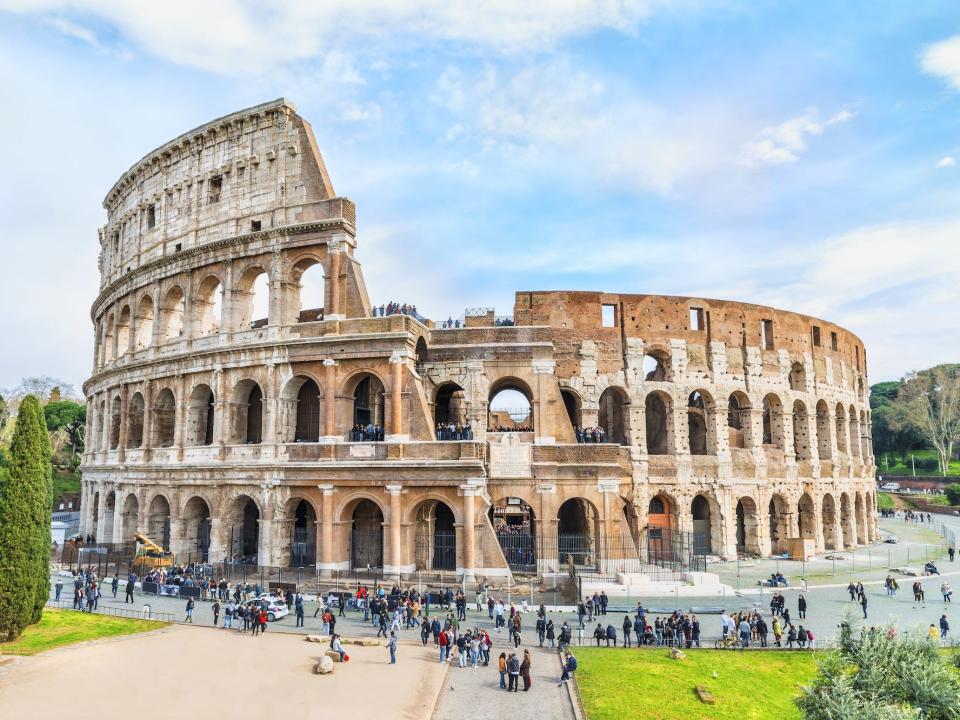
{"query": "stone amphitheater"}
pixel 232 417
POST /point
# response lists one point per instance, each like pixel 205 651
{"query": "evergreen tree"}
pixel 25 502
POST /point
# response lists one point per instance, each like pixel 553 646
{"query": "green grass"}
pixel 890 464
pixel 65 627
pixel 617 684
pixel 64 482
pixel 884 501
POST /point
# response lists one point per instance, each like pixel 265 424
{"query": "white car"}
pixel 276 608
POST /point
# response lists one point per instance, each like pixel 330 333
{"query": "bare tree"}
pixel 929 402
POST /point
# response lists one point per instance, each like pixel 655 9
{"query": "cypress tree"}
pixel 25 523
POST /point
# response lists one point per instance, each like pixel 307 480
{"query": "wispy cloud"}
pixel 943 60
pixel 787 142
pixel 947 161
pixel 76 31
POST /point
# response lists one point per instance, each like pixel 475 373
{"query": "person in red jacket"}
pixel 444 641
pixel 263 620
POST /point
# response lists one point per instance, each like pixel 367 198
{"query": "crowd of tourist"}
pixel 393 308
pixel 590 435
pixel 511 428
pixel 454 431
pixel 367 433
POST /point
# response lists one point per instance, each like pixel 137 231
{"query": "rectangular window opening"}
pixel 833 341
pixel 816 336
pixel 214 187
pixel 766 334
pixel 696 319
pixel 608 314
pixel 255 225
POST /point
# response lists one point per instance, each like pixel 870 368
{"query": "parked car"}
pixel 276 608
pixel 892 539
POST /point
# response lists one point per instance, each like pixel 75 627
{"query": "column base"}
pixel 402 569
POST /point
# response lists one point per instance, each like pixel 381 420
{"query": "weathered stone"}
pixel 677 654
pixel 317 638
pixel 324 666
pixel 333 655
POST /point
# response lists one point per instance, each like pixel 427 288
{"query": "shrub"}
pixel 952 492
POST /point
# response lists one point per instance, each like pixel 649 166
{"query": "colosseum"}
pixel 605 430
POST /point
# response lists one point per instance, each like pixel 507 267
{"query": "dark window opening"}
pixel 255 225
pixel 833 341
pixel 766 334
pixel 151 217
pixel 696 319
pixel 215 188
pixel 816 336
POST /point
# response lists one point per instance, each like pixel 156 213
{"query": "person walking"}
pixel 541 630
pixel 951 552
pixel 190 606
pixel 551 634
pixel 863 604
pixel 525 670
pixel 852 589
pixel 392 647
pixel 131 581
pixel 802 607
pixel 216 612
pixel 57 590
pixel 115 585
pixel 298 609
pixel 944 626
pixel 946 591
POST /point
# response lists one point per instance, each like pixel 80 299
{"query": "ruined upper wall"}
pixel 251 170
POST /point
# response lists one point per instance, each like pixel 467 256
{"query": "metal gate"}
pixel 579 547
pixel 520 551
pixel 303 548
pixel 366 549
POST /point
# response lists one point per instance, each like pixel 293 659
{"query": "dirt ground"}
pixel 185 669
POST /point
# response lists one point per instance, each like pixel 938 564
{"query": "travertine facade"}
pixel 224 434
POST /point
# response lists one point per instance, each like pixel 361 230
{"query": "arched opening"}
pixel 738 420
pixel 449 411
pixel 700 510
pixel 823 431
pixel 115 420
pixel 165 419
pixel 200 416
pixel 135 410
pixel 748 528
pixel 158 521
pixel 171 314
pixel 368 417
pixel 798 377
pixel 195 526
pixel 699 423
pixel 100 426
pixel 613 416
pixel 840 423
pixel 144 323
pixel 655 364
pixel 123 331
pixel 208 307
pixel 515 525
pixel 864 437
pixel 510 407
pixel 846 520
pixel 571 403
pixel 249 413
pixel 243 536
pixel 421 352
pixel 95 515
pixel 436 537
pixel 828 518
pixel 109 509
pixel 661 528
pixel 861 520
pixel 659 437
pixel 108 336
pixel 801 431
pixel 577 533
pixel 773 421
pixel 307 428
pixel 366 537
pixel 303 541
pixel 129 518
pixel 807 517
pixel 308 274
pixel 780 516
pixel 252 299
pixel 855 445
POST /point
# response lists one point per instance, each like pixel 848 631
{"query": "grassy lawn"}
pixel 64 482
pixel 617 684
pixel 884 501
pixel 891 464
pixel 64 627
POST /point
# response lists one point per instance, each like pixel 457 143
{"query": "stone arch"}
pixel 613 415
pixel 514 522
pixel 578 532
pixel 656 365
pixel 449 405
pixel 700 423
pixel 510 405
pixel 252 299
pixel 247 405
pixel 165 419
pixel 840 423
pixel 855 446
pixel 773 421
pixel 435 536
pixel 366 520
pixel 109 512
pixel 748 527
pixel 296 544
pixel 739 427
pixel 208 307
pixel 861 518
pixel 421 352
pixel 828 514
pixel 659 421
pixel 115 421
pixel 101 426
pixel 158 520
pixel 368 405
pixel 241 528
pixel 172 312
pixel 863 441
pixel 108 335
pixel 801 431
pixel 144 321
pixel 200 416
pixel 309 275
pixel 195 523
pixel 781 523
pixel 123 330
pixel 662 525
pixel 847 521
pixel 573 405
pixel 824 449
pixel 300 417
pixel 95 515
pixel 135 414
pixel 806 517
pixel 129 517
pixel 703 523
pixel 798 377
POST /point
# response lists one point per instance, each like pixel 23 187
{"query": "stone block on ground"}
pixel 705 695
pixel 324 666
pixel 677 654
pixel 364 642
pixel 333 655
pixel 317 638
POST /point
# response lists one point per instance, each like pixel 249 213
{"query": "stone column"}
pixel 398 362
pixel 180 427
pixel 216 552
pixel 264 544
pixel 326 564
pixel 101 515
pixel 147 443
pixel 221 422
pixel 542 369
pixel 122 445
pixel 334 248
pixel 395 528
pixel 330 401
pixel 469 530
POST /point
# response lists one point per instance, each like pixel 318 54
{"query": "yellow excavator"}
pixel 150 554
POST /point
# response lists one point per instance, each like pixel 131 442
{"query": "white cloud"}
pixel 787 142
pixel 70 29
pixel 943 60
pixel 356 112
pixel 947 161
pixel 233 37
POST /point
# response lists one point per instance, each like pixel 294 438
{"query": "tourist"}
pixel 550 634
pixel 802 607
pixel 933 634
pixel 801 637
pixel 569 667
pixel 115 585
pixel 791 636
pixel 627 626
pixel 444 644
pixel 745 632
pixel 513 668
pixel 298 609
pixel 611 635
pixel 337 647
pixel 392 647
pixel 502 666
pixel 525 670
pixel 863 604
pixel 944 626
pixel 946 591
pixel 228 615
pixel 216 612
pixel 57 590
pixel 263 620
pixel 541 630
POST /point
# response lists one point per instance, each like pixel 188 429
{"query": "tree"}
pixel 872 676
pixel 44 387
pixel 25 501
pixel 69 416
pixel 952 492
pixel 929 402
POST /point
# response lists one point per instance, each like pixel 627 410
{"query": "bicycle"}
pixel 729 643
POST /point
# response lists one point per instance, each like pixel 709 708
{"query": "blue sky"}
pixel 795 154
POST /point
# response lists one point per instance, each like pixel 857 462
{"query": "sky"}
pixel 796 154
